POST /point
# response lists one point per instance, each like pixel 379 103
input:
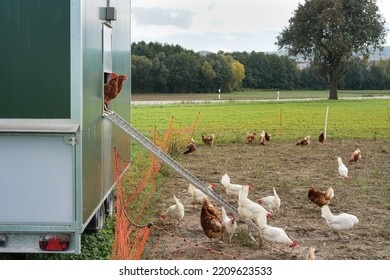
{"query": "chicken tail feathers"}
pixel 330 192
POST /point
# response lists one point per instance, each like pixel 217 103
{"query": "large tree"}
pixel 330 32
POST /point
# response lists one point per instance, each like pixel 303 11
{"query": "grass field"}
pixel 230 121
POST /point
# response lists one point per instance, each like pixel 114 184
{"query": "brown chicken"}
pixel 121 78
pixel 355 156
pixel 110 89
pixel 304 142
pixel 208 140
pixel 321 138
pixel 320 198
pixel 211 220
pixel 190 147
pixel 250 137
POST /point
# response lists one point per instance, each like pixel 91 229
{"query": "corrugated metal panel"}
pixel 37 180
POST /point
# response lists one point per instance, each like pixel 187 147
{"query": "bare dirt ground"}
pixel 291 170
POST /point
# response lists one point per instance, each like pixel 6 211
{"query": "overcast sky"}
pixel 213 25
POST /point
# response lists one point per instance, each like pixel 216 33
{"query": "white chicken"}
pixel 232 189
pixel 229 225
pixel 343 170
pixel 275 235
pixel 249 210
pixel 338 223
pixel 174 212
pixel 197 195
pixel 271 202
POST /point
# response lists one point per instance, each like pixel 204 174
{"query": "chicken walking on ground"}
pixel 211 220
pixel 271 202
pixel 355 156
pixel 264 136
pixel 229 225
pixel 343 170
pixel 174 212
pixel 320 198
pixel 338 223
pixel 208 140
pixel 276 235
pixel 321 138
pixel 250 137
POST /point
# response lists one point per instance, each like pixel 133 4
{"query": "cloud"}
pixel 163 17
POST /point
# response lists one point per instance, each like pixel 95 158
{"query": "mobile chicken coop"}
pixel 56 150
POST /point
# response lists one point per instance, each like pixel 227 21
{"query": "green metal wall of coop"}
pixel 55 57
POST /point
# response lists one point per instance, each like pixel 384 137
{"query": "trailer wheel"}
pixel 110 204
pixel 97 222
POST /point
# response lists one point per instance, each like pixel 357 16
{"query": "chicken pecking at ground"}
pixel 197 195
pixel 271 202
pixel 229 224
pixel 208 140
pixel 304 142
pixel 250 137
pixel 320 198
pixel 276 235
pixel 343 170
pixel 211 220
pixel 190 147
pixel 355 156
pixel 174 212
pixel 338 223
pixel 112 88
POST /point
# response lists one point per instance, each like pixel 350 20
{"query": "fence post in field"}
pixel 326 122
pixel 281 122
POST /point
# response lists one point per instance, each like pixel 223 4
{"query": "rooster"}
pixel 110 89
pixel 321 138
pixel 232 189
pixel 343 170
pixel 320 198
pixel 338 223
pixel 250 137
pixel 197 195
pixel 229 225
pixel 271 202
pixel 304 142
pixel 190 147
pixel 208 140
pixel 211 220
pixel 355 156
pixel 275 235
pixel 174 212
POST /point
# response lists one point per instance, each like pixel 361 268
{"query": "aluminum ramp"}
pixel 161 155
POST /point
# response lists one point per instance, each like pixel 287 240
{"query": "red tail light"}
pixel 54 242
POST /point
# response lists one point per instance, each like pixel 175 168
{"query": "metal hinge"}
pixel 71 140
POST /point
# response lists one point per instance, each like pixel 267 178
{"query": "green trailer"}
pixel 56 148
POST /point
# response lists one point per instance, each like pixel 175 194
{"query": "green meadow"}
pixel 285 120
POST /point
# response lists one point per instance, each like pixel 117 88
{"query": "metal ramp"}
pixel 151 147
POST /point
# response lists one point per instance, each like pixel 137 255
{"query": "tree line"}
pixel 164 68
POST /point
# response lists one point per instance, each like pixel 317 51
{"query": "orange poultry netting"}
pixel 134 195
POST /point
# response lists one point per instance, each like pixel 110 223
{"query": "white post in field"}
pixel 326 121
